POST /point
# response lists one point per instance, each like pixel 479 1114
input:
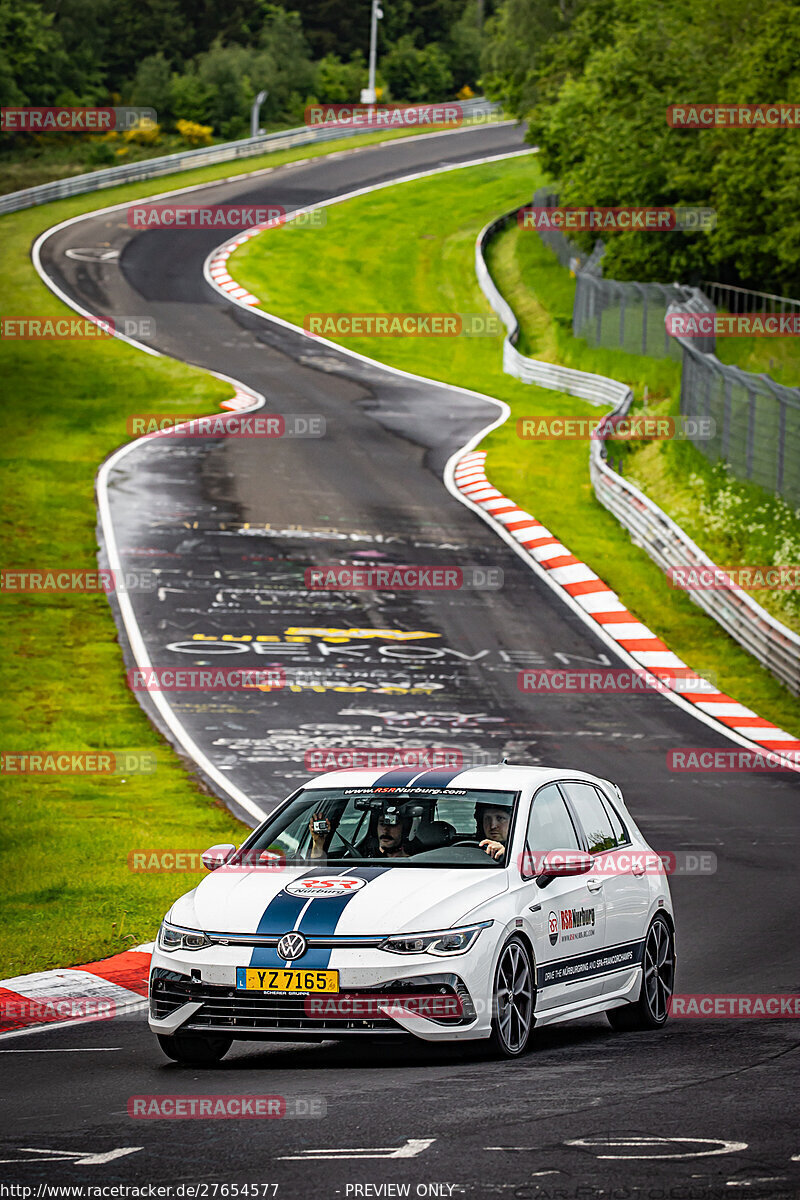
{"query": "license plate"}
pixel 272 979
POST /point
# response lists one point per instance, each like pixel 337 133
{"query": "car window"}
pixel 620 832
pixel 550 826
pixel 592 815
pixel 395 826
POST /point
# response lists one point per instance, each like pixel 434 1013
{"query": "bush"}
pixel 145 133
pixel 194 134
pixel 101 154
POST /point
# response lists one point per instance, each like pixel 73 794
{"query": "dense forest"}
pixel 203 62
pixel 594 78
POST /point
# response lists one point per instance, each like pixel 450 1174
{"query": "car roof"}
pixel 501 777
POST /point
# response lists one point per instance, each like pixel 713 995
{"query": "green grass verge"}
pixel 411 248
pixel 777 357
pixel 68 894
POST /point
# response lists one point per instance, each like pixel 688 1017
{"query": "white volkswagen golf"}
pixel 446 905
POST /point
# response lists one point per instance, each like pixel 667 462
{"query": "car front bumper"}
pixel 195 992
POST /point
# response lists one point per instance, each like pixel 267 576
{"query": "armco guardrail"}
pixel 597 389
pixel 774 645
pixel 187 160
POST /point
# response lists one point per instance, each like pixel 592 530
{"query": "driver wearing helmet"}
pixel 492 821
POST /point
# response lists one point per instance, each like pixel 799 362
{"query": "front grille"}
pixel 226 1008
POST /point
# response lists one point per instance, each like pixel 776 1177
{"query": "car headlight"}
pixel 440 941
pixel 173 937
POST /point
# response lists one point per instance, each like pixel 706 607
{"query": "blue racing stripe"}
pixel 435 777
pixel 396 778
pixel 322 917
pixel 277 918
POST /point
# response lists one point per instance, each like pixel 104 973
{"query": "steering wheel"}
pixel 353 850
pixel 466 842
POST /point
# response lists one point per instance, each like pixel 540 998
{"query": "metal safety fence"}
pixel 757 420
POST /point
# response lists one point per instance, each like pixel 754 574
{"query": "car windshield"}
pixel 433 827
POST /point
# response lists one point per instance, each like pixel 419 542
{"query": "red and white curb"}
pixel 604 607
pixel 73 995
pixel 218 264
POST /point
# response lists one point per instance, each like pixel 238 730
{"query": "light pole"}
pixel 255 112
pixel 368 93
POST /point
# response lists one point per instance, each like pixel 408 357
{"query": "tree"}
pixel 417 75
pixel 32 57
pixel 152 86
pixel 337 82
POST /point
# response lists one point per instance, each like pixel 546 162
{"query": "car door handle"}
pixel 535 907
pixel 638 871
pixel 594 885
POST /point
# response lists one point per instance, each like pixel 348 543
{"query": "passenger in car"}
pixel 492 822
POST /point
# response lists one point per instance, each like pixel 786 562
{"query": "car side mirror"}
pixel 217 856
pixel 555 864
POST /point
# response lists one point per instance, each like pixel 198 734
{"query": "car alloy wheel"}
pixel 513 1000
pixel 659 971
pixel 651 1010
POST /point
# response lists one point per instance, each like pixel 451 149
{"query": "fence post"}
pixel 781 444
pixel 751 431
pixel 726 418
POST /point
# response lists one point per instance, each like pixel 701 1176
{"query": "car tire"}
pixel 651 1010
pixel 513 997
pixel 192 1050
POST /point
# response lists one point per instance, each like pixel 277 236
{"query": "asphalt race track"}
pixel 705 1108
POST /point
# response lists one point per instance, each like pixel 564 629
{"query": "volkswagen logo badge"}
pixel 292 945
